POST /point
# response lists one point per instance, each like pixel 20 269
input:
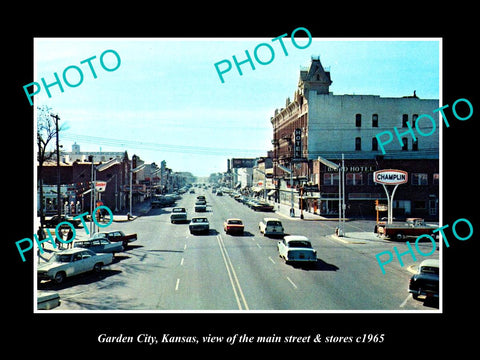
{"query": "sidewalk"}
pixel 284 211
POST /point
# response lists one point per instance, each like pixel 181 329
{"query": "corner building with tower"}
pixel 317 123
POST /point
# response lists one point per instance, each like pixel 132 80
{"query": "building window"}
pixel 415 145
pixel 419 179
pixel 436 179
pixel 330 179
pixel 405 144
pixel 374 144
pixel 404 120
pixel 358 143
pixel 414 119
pixel 354 179
pixel 358 120
pixel 375 120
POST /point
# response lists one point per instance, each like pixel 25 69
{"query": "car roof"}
pixel 71 251
pixel 296 238
pixel 270 219
pixel 430 262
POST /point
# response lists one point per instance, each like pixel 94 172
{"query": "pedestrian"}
pixel 41 235
pixel 69 238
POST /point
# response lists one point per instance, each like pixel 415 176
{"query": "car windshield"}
pixel 63 258
pixel 99 235
pixel 274 223
pixel 299 244
pixel 179 210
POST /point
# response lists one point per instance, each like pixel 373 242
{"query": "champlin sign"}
pixel 390 177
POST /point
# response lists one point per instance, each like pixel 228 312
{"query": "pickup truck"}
pixel 425 281
pixel 178 214
pixel 412 227
pixel 116 236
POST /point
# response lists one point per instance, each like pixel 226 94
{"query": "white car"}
pixel 296 248
pixel 71 262
pixel 271 227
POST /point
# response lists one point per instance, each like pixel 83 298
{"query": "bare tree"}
pixel 46 131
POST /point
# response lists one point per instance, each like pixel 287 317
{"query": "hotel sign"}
pixel 390 177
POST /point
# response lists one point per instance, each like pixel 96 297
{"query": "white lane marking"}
pixel 270 258
pixel 237 289
pixel 405 301
pixel 291 282
pixel 177 284
pixel 181 261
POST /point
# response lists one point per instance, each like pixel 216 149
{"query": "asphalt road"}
pixel 167 268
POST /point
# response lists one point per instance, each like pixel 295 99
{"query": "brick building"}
pixel 319 123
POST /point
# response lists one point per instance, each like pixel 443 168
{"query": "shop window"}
pixel 419 179
pixel 354 179
pixel 330 179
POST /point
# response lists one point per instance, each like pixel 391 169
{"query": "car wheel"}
pixel 59 277
pixel 97 267
pixel 399 236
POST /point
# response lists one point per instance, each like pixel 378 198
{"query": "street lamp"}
pixel 341 194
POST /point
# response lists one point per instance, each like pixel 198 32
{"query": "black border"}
pixel 407 334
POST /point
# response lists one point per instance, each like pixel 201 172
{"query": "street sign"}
pixel 100 186
pixel 390 177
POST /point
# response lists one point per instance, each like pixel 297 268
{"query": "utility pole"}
pixel 59 197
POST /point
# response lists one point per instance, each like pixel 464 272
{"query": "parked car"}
pixel 296 248
pixel 55 220
pixel 271 227
pixel 99 245
pixel 199 225
pixel 233 226
pixel 262 206
pixel 425 281
pixel 70 262
pixel 116 236
pixel 178 214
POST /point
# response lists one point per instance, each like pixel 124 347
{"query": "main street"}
pixel 167 268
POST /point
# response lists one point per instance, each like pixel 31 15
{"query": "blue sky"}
pixel 166 101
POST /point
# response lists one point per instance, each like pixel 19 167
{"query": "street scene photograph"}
pixel 290 173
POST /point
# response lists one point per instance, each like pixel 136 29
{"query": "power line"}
pixel 184 149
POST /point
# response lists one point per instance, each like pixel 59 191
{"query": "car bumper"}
pixel 427 293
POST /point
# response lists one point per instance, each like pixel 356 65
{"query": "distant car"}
pixel 179 214
pixel 219 193
pixel 425 281
pixel 200 206
pixel 99 245
pixel 116 236
pixel 296 248
pixel 67 263
pixel 55 220
pixel 199 225
pixel 261 206
pixel 271 227
pixel 233 226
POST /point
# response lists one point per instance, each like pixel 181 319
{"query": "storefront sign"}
pixel 390 177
